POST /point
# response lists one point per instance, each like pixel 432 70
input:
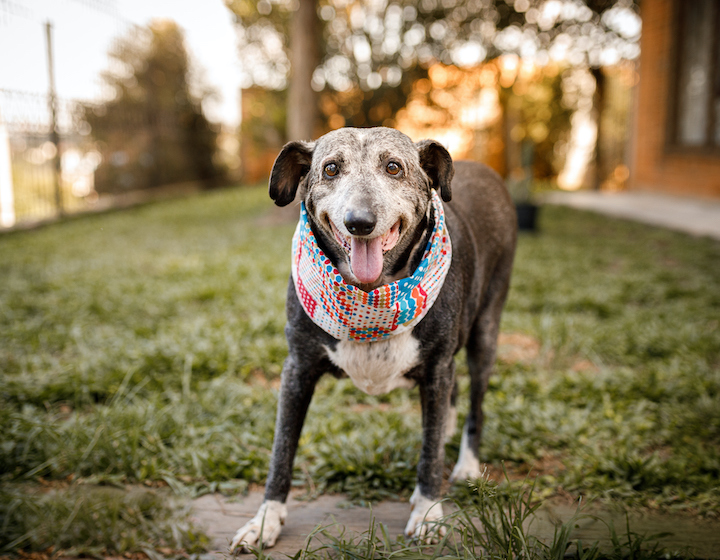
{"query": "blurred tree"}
pixel 535 115
pixel 151 131
pixel 262 131
pixel 302 113
pixel 371 44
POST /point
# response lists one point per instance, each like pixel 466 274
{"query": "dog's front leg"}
pixel 296 391
pixel 435 394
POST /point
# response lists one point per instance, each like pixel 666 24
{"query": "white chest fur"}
pixel 378 367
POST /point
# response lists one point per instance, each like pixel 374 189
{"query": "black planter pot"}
pixel 526 216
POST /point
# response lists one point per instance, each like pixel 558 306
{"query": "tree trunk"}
pixel 302 108
pixel 599 109
pixel 511 148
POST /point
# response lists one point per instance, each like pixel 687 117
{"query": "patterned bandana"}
pixel 348 313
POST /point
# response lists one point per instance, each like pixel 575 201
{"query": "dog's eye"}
pixel 331 169
pixel 393 168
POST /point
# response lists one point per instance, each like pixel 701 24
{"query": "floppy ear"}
pixel 289 168
pixel 437 163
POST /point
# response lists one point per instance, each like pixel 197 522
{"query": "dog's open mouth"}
pixel 366 255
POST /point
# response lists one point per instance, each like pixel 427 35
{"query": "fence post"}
pixel 7 202
pixel 54 135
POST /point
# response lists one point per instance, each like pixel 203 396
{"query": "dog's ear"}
pixel 289 168
pixel 437 164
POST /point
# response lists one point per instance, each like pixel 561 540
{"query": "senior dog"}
pixel 388 283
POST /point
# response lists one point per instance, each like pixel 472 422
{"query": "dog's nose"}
pixel 360 222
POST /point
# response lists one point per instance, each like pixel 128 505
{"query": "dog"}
pixel 372 218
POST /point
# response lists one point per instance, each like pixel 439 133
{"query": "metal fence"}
pixel 52 162
pixel 46 166
pixel 62 156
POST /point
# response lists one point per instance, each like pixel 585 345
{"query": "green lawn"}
pixel 145 346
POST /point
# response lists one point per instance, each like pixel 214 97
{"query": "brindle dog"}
pixel 368 198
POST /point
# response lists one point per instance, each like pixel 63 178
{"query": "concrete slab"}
pixel 221 517
pixel 695 216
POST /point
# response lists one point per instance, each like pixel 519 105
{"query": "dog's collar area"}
pixel 348 313
pixel 414 251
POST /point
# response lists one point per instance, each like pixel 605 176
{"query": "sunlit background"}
pixel 101 99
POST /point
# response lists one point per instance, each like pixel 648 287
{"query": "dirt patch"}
pixel 258 377
pixel 51 554
pixel 517 348
pixel 550 465
pixel 584 366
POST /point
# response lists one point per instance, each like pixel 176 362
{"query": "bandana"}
pixel 345 311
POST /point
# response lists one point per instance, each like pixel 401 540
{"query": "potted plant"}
pixel 520 186
pixel 527 212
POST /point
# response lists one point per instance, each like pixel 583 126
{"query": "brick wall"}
pixel 657 166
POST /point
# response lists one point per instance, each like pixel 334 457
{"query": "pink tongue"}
pixel 366 258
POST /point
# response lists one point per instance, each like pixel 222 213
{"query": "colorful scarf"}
pixel 348 313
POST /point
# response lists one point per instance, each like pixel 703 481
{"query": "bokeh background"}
pixel 102 98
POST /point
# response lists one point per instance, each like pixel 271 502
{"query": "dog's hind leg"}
pixel 481 349
pixel 296 392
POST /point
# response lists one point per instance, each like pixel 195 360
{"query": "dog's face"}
pixel 367 194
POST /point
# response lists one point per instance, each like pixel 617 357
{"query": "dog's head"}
pixel 367 194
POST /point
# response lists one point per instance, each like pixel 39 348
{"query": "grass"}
pixel 92 522
pixel 145 347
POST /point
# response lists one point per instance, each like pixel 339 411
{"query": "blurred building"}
pixel 677 126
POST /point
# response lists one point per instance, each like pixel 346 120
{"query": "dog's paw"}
pixel 467 468
pixel 468 465
pixel 265 527
pixel 425 519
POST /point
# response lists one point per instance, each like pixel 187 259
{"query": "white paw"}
pixel 266 525
pixel 423 523
pixel 468 469
pixel 467 466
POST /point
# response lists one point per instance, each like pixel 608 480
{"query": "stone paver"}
pixel 221 517
pixel 695 216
